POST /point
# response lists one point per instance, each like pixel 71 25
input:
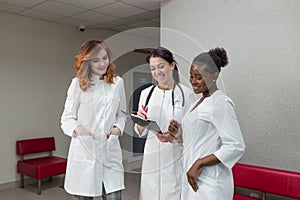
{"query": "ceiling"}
pixel 117 15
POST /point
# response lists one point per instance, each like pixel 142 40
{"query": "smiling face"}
pixel 161 70
pixel 202 81
pixel 99 63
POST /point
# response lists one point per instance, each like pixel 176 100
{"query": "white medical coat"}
pixel 162 162
pixel 92 162
pixel 212 128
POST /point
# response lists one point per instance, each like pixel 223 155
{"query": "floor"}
pixel 53 190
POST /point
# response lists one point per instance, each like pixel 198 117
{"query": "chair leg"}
pixel 21 181
pixel 50 179
pixel 264 196
pixel 39 187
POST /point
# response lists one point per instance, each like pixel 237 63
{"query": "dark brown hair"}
pixel 167 56
pixel 214 59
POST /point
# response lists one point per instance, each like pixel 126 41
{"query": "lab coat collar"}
pixel 96 79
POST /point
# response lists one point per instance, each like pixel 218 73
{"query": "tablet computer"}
pixel 147 123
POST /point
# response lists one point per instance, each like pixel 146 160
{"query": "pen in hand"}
pixel 145 109
pixel 143 114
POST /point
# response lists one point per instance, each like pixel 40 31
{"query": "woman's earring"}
pixel 214 80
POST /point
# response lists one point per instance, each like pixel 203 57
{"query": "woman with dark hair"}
pixel 167 99
pixel 94 120
pixel 212 138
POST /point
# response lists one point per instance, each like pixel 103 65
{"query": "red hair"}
pixel 82 63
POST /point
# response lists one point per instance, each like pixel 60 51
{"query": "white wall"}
pixel 126 66
pixel 36 67
pixel 263 43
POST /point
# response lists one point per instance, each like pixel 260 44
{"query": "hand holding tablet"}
pixel 147 123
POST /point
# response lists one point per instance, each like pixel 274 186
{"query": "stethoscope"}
pixel 173 98
pixel 173 102
pixel 182 94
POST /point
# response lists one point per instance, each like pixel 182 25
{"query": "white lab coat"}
pixel 162 162
pixel 92 162
pixel 212 128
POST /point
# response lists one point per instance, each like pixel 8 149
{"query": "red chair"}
pixel 41 167
pixel 266 180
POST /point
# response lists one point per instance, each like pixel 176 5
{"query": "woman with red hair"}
pixel 94 120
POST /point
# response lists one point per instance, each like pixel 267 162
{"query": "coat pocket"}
pixel 114 152
pixel 84 150
pixel 209 172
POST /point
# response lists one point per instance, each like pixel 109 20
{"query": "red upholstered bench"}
pixel 266 180
pixel 41 167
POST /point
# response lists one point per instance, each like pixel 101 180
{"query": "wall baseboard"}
pixel 56 180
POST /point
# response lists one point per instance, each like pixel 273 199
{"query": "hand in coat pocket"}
pixel 81 131
pixel 114 152
pixel 84 149
pixel 114 131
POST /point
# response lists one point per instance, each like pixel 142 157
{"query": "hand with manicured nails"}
pixel 113 131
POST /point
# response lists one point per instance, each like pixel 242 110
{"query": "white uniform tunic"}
pixel 92 162
pixel 162 162
pixel 212 128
